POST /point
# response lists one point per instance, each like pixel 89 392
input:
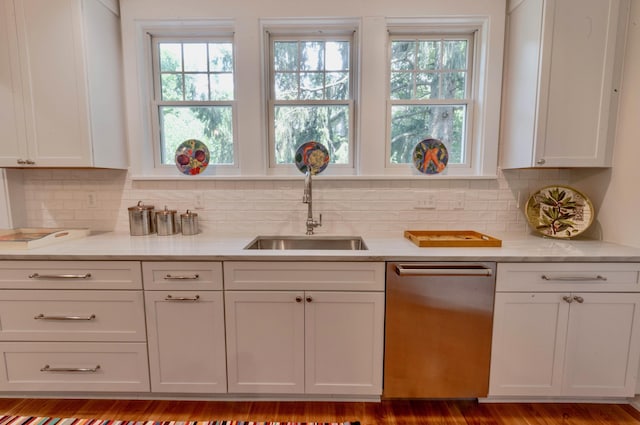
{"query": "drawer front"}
pixel 305 275
pixel 70 275
pixel 77 366
pixel 583 277
pixel 182 275
pixel 71 315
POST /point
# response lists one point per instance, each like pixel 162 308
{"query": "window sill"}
pixel 318 177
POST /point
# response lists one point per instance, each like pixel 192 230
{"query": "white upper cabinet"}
pixel 61 84
pixel 561 82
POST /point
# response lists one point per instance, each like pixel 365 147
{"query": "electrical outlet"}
pixel 92 200
pixel 199 201
pixel 430 200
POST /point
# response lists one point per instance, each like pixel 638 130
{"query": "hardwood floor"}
pixel 395 412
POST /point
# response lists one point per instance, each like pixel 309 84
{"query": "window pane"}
pixel 311 85
pixel 312 56
pixel 427 85
pixel 412 123
pixel 210 124
pixel 429 55
pixel 285 55
pixel 403 55
pixel 221 86
pixel 171 87
pixel 286 86
pixel 454 85
pixel 337 56
pixel 337 86
pixel 196 87
pixel 221 57
pixel 454 54
pixel 195 57
pixel 401 85
pixel 170 57
pixel 295 125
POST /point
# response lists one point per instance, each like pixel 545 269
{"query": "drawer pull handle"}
pixel 43 317
pixel 48 368
pixel 579 299
pixel 170 277
pixel 573 278
pixel 170 298
pixel 59 276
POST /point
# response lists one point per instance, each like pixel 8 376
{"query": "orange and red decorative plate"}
pixel 430 156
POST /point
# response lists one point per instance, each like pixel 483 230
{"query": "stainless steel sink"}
pixel 308 242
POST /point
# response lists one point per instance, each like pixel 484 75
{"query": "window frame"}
pixel 467 101
pixel 480 150
pixel 301 30
pixel 212 33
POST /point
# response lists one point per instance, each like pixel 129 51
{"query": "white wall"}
pixel 5 208
pixel 620 209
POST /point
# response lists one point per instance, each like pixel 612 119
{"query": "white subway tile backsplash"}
pixel 59 198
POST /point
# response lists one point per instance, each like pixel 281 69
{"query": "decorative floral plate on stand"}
pixel 430 156
pixel 312 156
pixel 559 212
pixel 192 157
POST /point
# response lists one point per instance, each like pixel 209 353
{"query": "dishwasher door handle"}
pixel 413 270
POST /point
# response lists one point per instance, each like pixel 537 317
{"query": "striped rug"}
pixel 32 420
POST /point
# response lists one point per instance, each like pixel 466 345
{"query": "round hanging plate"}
pixel 192 157
pixel 312 156
pixel 430 156
pixel 559 212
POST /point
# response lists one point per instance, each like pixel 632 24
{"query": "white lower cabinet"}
pixel 302 339
pixel 185 327
pixel 574 344
pixel 69 326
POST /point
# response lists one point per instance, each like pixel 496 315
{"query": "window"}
pixel 430 95
pixel 194 96
pixel 311 95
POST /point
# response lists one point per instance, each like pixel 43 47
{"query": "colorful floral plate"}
pixel 192 157
pixel 559 212
pixel 312 156
pixel 430 156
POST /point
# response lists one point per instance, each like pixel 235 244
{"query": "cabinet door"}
pixel 55 92
pixel 602 345
pixel 12 130
pixel 265 341
pixel 185 332
pixel 529 333
pixel 344 335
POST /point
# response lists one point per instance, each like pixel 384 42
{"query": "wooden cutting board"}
pixel 451 238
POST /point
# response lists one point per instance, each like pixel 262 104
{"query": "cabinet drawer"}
pixel 182 275
pixel 306 275
pixel 78 366
pixel 70 275
pixel 583 277
pixel 47 315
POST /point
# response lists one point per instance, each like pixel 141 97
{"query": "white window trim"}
pixel 222 29
pixel 301 28
pixel 482 136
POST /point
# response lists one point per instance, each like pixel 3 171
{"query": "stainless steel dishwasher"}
pixel 438 328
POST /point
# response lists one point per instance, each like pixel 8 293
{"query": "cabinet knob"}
pixel 30 162
pixel 21 161
pixel 309 299
pixel 298 299
pixel 579 299
pixel 541 161
pixel 568 299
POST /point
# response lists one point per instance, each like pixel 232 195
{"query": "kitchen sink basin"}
pixel 308 242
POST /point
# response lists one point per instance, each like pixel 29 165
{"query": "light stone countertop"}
pixel 204 247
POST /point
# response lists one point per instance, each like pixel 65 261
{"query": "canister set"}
pixel 145 220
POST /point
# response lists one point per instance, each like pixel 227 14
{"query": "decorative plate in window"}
pixel 430 156
pixel 312 156
pixel 559 212
pixel 192 157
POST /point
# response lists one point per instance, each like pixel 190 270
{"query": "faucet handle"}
pixel 320 220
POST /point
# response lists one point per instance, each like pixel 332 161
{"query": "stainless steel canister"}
pixel 167 222
pixel 189 223
pixel 141 219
